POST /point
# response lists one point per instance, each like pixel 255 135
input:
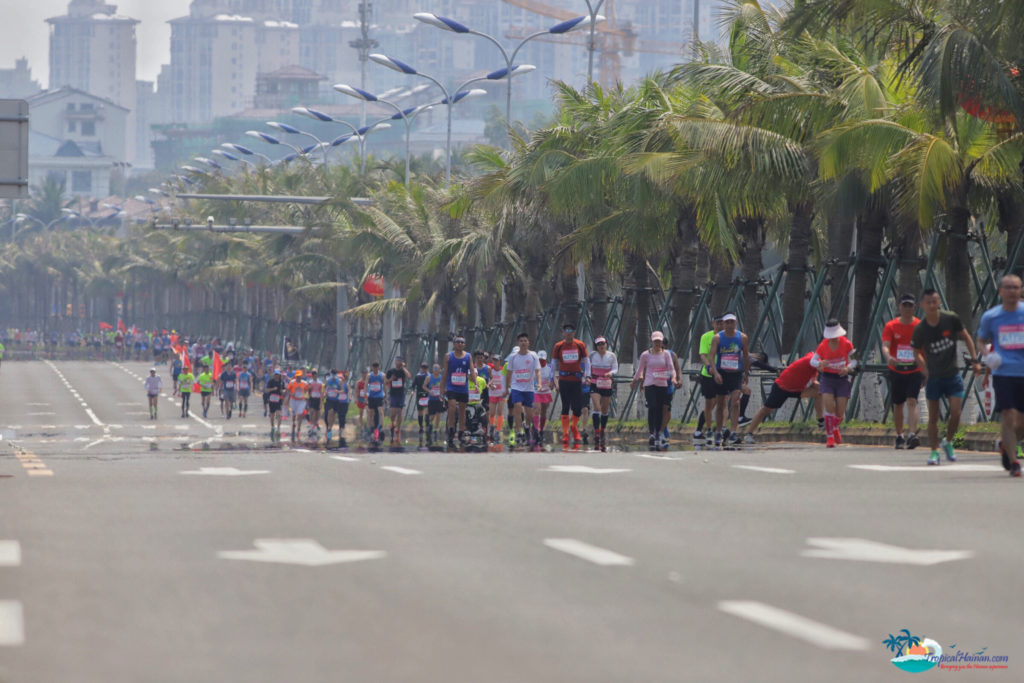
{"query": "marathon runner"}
pixel 375 401
pixel 274 390
pixel 656 370
pixel 298 392
pixel 153 386
pixel 244 390
pixel 799 380
pixel 568 358
pixel 1003 327
pixel 934 343
pixel 905 377
pixel 175 371
pixel 361 398
pixel 419 388
pixel 435 406
pixel 206 383
pixel 497 398
pixel 544 396
pixel 334 387
pixel 522 373
pixel 458 373
pixel 316 393
pixel 603 367
pixel 228 381
pixel 397 380
pixel 833 359
pixel 185 382
pixel 730 350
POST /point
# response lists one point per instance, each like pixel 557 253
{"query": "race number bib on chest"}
pixel 375 387
pixel 396 383
pixel 229 385
pixel 904 353
pixel 662 374
pixel 458 379
pixel 604 382
pixel 1011 337
pixel 522 375
pixel 423 400
pixel 275 398
pixel 570 355
pixel 731 361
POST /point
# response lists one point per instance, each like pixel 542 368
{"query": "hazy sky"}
pixel 24 33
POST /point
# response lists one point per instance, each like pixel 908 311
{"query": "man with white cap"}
pixel 730 350
pixel 904 376
pixel 1003 327
pixel 934 343
pixel 603 367
pixel 833 358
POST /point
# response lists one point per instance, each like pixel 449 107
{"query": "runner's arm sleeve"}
pixel 615 365
pixel 641 366
pixel 815 360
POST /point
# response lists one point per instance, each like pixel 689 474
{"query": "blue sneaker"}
pixel 948 448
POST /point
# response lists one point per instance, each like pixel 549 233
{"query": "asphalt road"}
pixel 125 555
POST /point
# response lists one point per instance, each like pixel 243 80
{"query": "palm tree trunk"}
pixel 752 232
pixel 870 231
pixel 684 278
pixel 958 267
pixel 794 291
pixel 598 279
pixel 840 244
pixel 910 259
pixel 721 276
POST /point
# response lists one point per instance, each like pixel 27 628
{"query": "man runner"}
pixel 228 385
pixel 708 386
pixel 934 343
pixel 185 382
pixel 419 388
pixel 798 380
pixel 458 373
pixel 316 393
pixel 435 406
pixel 730 349
pixel 244 390
pixel 1003 327
pixel 375 401
pixel 298 392
pixel 567 360
pixel 153 385
pixel 206 383
pixel 905 377
pixel 275 392
pixel 397 380
pixel 522 373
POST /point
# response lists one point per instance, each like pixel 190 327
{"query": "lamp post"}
pixel 292 130
pixel 449 99
pixel 406 115
pixel 231 157
pixel 593 8
pixel 246 151
pixel 22 217
pixel 446 24
pixel 358 133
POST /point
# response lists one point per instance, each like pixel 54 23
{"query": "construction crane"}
pixel 612 39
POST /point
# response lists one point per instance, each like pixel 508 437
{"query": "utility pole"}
pixel 364 45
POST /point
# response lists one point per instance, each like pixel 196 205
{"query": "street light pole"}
pixel 594 8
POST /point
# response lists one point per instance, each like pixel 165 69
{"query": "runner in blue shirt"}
pixel 1003 328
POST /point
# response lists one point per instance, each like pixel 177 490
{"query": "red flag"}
pixel 106 326
pixel 120 326
pixel 218 365
pixel 135 330
pixel 186 362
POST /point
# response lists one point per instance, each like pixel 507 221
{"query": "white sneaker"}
pixel 749 439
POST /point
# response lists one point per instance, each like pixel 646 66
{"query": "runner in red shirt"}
pixel 568 359
pixel 832 358
pixel 905 376
pixel 798 380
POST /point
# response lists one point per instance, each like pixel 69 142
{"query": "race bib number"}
pixel 375 387
pixel 474 395
pixel 229 385
pixel 423 401
pixel 661 374
pixel 435 392
pixel 275 398
pixel 604 382
pixel 1011 337
pixel 458 379
pixel 243 385
pixel 314 394
pixel 343 396
pixel 396 384
pixel 904 354
pixel 731 362
pixel 836 364
pixel 332 393
pixel 362 393
pixel 570 355
pixel 522 375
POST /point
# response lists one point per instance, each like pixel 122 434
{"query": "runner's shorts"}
pixel 458 397
pixel 1009 393
pixel 731 381
pixel 542 398
pixel 396 400
pixel 229 395
pixel 374 402
pixel 572 396
pixel 937 387
pixel 333 405
pixel 904 385
pixel 297 406
pixel 708 387
pixel 314 403
pixel 525 397
pixel 778 396
pixel 435 407
pixel 275 406
pixel 831 383
pixel 601 392
pixel 243 393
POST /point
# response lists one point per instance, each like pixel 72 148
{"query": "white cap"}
pixel 543 355
pixel 727 317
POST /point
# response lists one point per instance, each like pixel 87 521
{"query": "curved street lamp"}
pixel 292 130
pixel 359 133
pixel 499 75
pixel 241 149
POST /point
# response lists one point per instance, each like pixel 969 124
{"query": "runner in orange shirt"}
pixel 298 392
pixel 905 376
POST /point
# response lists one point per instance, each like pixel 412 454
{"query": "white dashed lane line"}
pixel 794 625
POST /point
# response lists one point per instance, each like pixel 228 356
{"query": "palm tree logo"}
pixel 912 653
pixel 899 644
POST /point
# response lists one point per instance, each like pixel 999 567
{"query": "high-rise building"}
pixel 92 48
pixel 17 83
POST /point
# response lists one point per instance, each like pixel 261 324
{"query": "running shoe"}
pixel 948 448
pixel 913 441
pixel 749 440
pixel 585 438
pixel 933 459
pixel 1015 469
pixel 900 443
pixel 1007 465
pixel 735 438
pixel 821 423
pixel 512 438
pixel 718 439
pixel 698 435
pixel 652 441
pixel 830 442
pixel 743 420
pixel 839 436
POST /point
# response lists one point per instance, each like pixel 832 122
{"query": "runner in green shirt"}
pixel 185 381
pixel 708 388
pixel 1 351
pixel 205 380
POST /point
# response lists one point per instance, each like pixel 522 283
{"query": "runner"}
pixel 522 373
pixel 567 359
pixel 244 389
pixel 603 367
pixel 544 396
pixel 483 370
pixel 458 373
pixel 904 376
pixel 375 401
pixel 419 388
pixel 228 382
pixel 730 350
pixel 206 383
pixel 656 370
pixel 1003 327
pixel 275 393
pixel 334 387
pixel 833 359
pixel 175 371
pixel 361 396
pixel 153 386
pixel 397 380
pixel 185 382
pixel 476 413
pixel 298 392
pixel 798 380
pixel 316 393
pixel 934 343
pixel 497 399
pixel 672 392
pixel 435 406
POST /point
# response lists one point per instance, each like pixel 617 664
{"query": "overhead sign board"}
pixel 13 149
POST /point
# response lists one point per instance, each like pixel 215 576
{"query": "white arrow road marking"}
pixel 225 471
pixel 769 470
pixel 12 623
pixel 400 470
pixel 794 625
pixel 861 550
pixel 303 551
pixel 926 468
pixel 10 554
pixel 581 469
pixel 590 553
